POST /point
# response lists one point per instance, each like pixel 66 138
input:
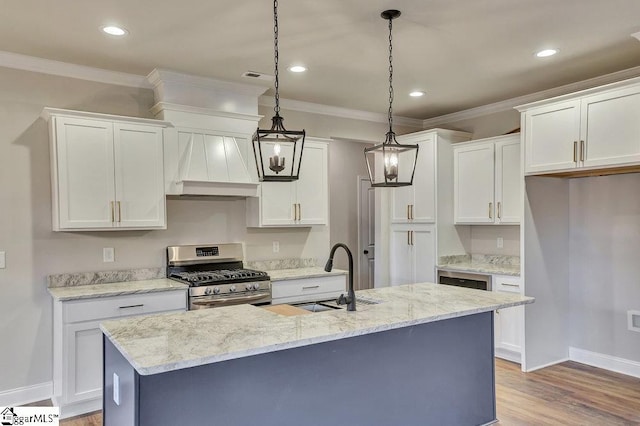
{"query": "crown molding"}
pixel 510 104
pixel 65 69
pixel 313 108
pixel 166 106
pixel 158 76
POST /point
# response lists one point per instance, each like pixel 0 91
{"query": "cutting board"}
pixel 286 310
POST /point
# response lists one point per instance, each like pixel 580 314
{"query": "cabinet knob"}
pixel 366 252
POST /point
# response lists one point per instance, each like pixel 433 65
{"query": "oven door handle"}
pixel 225 301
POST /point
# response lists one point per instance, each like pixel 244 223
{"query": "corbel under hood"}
pixel 208 152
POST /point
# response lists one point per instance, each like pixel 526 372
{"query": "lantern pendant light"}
pixel 278 151
pixel 398 161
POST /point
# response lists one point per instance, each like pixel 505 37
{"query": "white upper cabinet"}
pixel 487 181
pixel 416 203
pixel 590 130
pixel 107 172
pixel 304 202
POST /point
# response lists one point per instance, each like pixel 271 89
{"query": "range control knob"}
pixel 216 290
pixel 232 289
pixel 207 291
pixel 249 287
pixel 256 286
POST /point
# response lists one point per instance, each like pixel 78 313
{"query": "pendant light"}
pixel 278 151
pixel 398 161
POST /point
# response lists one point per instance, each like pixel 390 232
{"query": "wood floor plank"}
pixel 567 394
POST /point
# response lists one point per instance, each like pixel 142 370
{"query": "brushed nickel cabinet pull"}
pixel 132 306
pixel 113 214
pixel 408 214
pixel 295 212
pixel 490 210
pixel 411 237
pixel 119 212
pixel 408 238
pixel 499 210
pixel 299 212
pixel 581 150
pixel 412 211
pixel 575 151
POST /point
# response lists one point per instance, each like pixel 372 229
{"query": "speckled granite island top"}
pixel 115 289
pixel 482 268
pixel 298 273
pixel 167 342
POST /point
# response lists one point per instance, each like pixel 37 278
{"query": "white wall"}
pixel 34 251
pixel 605 264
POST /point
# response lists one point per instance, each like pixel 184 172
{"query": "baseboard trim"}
pixel 540 367
pixel 79 408
pixel 606 362
pixel 26 395
pixel 508 355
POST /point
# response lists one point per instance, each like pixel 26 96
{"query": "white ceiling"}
pixel 464 53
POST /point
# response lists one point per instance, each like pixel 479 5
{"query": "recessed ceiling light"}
pixel 114 31
pixel 417 93
pixel 546 53
pixel 297 68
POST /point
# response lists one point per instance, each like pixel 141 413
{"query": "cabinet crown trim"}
pixel 48 113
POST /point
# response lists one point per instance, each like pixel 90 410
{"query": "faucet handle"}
pixel 343 300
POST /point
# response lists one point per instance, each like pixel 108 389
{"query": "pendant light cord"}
pixel 275 42
pixel 390 78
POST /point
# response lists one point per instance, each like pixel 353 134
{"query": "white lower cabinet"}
pixel 413 254
pixel 308 289
pixel 508 322
pixel 77 345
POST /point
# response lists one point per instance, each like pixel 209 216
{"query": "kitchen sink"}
pixel 332 305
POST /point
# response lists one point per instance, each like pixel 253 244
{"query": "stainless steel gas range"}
pixel 216 277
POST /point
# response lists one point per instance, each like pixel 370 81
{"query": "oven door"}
pixel 206 302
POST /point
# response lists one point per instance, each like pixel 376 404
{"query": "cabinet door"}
pixel 508 182
pixel 474 183
pixel 551 137
pixel 139 176
pixel 312 186
pixel 416 203
pixel 277 203
pixel 401 269
pixel 423 245
pixel 610 128
pixel 83 363
pixel 85 173
pixel 424 183
pixel 509 321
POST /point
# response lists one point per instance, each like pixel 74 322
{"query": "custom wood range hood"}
pixel 207 153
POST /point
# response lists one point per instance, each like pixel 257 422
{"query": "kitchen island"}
pixel 416 354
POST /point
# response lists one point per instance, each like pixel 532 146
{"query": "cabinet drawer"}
pixel 120 306
pixel 507 284
pixel 309 286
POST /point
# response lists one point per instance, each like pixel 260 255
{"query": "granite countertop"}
pixel 485 268
pixel 167 342
pixel 297 273
pixel 115 289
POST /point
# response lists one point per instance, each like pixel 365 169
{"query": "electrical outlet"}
pixel 116 389
pixel 276 246
pixel 108 254
pixel 3 260
pixel 500 242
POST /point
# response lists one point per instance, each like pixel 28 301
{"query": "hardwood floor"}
pixel 566 394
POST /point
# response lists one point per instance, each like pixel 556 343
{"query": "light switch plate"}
pixel 276 246
pixel 108 254
pixel 500 242
pixel 3 260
